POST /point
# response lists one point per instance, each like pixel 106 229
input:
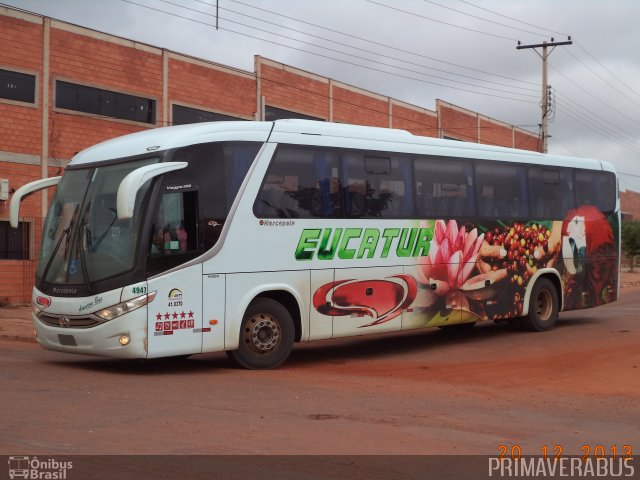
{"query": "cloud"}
pixel 605 35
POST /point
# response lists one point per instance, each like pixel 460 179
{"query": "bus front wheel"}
pixel 543 307
pixel 266 336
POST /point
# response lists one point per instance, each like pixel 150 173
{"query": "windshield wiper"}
pixel 80 251
pixel 65 233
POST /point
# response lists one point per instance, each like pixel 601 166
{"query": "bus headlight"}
pixel 115 311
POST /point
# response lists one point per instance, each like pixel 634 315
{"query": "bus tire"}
pixel 266 336
pixel 543 307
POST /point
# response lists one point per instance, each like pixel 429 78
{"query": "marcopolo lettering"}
pixel 356 243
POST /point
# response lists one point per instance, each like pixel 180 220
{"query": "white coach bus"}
pixel 247 237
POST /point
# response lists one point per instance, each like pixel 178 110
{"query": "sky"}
pixel 460 51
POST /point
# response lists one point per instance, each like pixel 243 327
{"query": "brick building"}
pixel 61 86
pixel 630 205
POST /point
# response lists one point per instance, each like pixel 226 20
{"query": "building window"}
pixel 183 115
pixel 105 102
pixel 20 87
pixel 273 113
pixel 14 242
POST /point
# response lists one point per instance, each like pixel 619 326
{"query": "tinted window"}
pixel 596 188
pixel 17 86
pixel 104 102
pixel 183 115
pixel 14 242
pixel 501 190
pixel 195 201
pixel 301 183
pixel 378 185
pixel 551 192
pixel 444 187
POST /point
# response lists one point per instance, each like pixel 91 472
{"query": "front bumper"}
pixel 100 340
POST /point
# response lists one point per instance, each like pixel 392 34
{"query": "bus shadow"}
pixel 156 366
pixel 335 352
pixel 434 340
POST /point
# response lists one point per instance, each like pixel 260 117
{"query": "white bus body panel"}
pixel 210 294
pixel 175 315
pixel 242 288
pixel 214 293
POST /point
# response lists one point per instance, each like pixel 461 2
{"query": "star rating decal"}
pixel 167 322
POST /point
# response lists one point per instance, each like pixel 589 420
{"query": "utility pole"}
pixel 544 103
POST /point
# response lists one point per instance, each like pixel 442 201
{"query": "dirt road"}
pixel 418 393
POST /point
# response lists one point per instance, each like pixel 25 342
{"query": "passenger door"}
pixel 175 315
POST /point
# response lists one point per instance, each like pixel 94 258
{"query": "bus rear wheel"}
pixel 266 336
pixel 543 307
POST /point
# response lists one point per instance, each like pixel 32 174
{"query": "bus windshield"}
pixel 83 241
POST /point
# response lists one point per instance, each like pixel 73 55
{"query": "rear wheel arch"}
pixel 266 335
pixel 543 304
pixel 289 301
pixel 553 276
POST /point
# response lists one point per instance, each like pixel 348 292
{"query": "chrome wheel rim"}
pixel 262 333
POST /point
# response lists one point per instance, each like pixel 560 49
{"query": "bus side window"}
pixel 445 187
pixel 502 190
pixel 596 188
pixel 378 186
pixel 300 183
pixel 551 192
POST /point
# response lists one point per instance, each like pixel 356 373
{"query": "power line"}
pixel 333 58
pixel 378 44
pixel 356 48
pixel 609 71
pixel 568 51
pixel 384 112
pixel 629 174
pixel 288 46
pixel 335 100
pixel 512 18
pixel 593 96
pixel 604 79
pixel 587 125
pixel 625 142
pixel 601 128
pixel 593 117
pixel 481 18
pixel 443 22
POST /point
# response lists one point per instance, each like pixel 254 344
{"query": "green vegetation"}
pixel 631 240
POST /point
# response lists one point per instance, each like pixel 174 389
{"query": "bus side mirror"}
pixel 23 191
pixel 128 189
